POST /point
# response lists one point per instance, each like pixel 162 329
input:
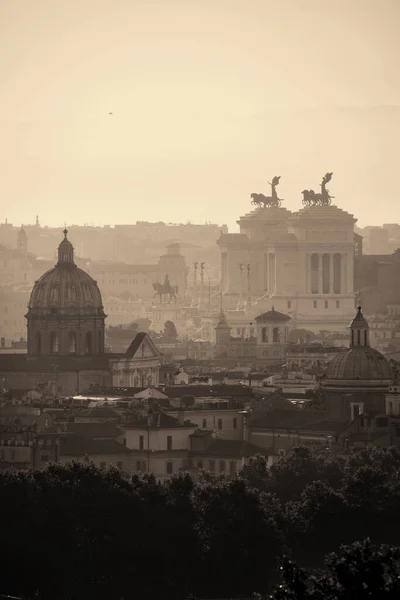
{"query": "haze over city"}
pixel 209 100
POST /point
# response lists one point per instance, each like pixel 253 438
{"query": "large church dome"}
pixel 360 362
pixel 65 312
pixel 66 289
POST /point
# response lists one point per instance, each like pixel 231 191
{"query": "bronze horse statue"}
pixel 164 290
pixel 273 200
pixel 310 198
pixel 261 200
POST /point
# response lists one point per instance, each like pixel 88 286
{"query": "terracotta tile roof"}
pixel 199 391
pixel 287 419
pixel 101 412
pixel 232 449
pixel 74 445
pixel 161 421
pixel 91 430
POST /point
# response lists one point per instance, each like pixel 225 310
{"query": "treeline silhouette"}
pixel 76 532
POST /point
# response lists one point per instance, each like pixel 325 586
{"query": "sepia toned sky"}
pixel 210 100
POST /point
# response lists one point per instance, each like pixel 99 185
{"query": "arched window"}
pixel 54 293
pixel 71 343
pixel 54 342
pixel 275 334
pixel 38 342
pixel 88 344
pixel 264 335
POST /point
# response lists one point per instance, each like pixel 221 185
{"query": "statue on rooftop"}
pixel 268 201
pixel 310 198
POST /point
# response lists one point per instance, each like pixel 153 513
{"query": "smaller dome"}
pixel 272 316
pixel 359 363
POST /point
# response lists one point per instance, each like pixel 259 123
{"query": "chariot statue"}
pixel 166 289
pixel 311 198
pixel 268 201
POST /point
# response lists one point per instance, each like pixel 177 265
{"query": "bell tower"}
pixel 22 240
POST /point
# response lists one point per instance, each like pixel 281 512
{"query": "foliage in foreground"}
pixel 75 532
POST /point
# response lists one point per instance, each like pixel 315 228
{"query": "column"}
pixel 349 271
pixel 307 273
pixel 320 274
pixel 331 266
pixel 343 283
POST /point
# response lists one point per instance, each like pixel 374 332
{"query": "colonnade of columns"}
pixel 320 275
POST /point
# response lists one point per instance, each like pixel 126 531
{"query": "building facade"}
pixel 301 262
pixel 65 330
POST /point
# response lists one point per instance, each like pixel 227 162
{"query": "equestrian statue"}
pixel 268 201
pixel 310 198
pixel 166 289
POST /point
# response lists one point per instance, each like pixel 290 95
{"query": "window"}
pixel 71 343
pixel 337 303
pixel 169 467
pixel 88 345
pixel 102 465
pixel 138 465
pixel 200 464
pixel 326 303
pixel 232 467
pixel 169 442
pixel 13 454
pixel 119 465
pixel 141 442
pixel 54 342
pixel 44 458
pixel 281 452
pixel 275 335
pixel 357 410
pixel 204 424
pixel 264 335
pixel 212 465
pixel 289 304
pixel 235 423
pixel 220 424
pixel 222 466
pixel 315 304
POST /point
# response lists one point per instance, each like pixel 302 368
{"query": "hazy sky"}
pixel 210 100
